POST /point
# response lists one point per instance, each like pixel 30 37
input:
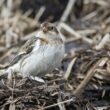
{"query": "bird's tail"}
pixel 3 69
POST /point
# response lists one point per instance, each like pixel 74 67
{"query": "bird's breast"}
pixel 43 60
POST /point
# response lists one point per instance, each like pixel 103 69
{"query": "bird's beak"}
pixel 45 29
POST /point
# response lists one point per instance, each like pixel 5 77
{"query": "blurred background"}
pixel 86 20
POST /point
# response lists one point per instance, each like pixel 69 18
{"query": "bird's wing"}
pixel 15 60
pixel 29 45
pixel 26 49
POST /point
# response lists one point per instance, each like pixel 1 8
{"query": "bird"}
pixel 40 55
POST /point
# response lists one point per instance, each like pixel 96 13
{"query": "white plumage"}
pixel 43 58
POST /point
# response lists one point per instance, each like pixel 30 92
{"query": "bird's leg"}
pixel 39 80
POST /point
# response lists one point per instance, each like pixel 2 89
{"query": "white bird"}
pixel 41 54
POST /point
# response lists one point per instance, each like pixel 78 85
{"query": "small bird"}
pixel 40 55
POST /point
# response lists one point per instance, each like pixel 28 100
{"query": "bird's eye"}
pixel 51 28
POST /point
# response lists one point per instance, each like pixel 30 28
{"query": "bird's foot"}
pixel 37 79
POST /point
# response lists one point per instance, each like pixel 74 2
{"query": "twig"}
pixel 61 106
pixel 67 10
pixel 86 31
pixel 71 55
pixel 90 74
pixel 67 74
pixel 104 41
pixel 40 13
pixel 90 16
pixel 29 36
pixel 1 2
pixel 71 39
pixel 27 13
pixel 9 4
pixel 56 104
pixel 73 32
pixel 99 2
pixel 102 108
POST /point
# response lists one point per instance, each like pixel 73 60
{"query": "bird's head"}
pixel 50 32
pixel 49 28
